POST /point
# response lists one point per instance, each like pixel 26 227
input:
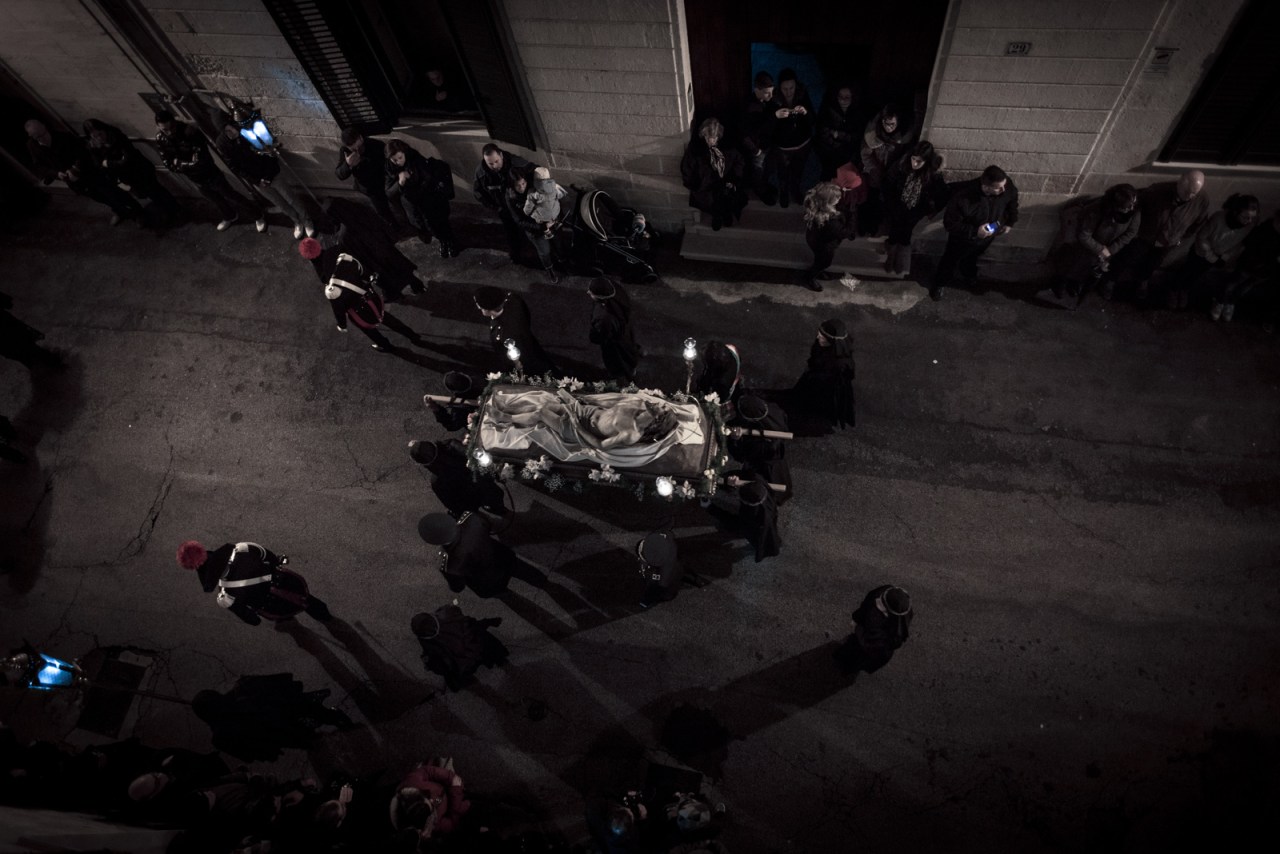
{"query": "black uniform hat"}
pixel 896 601
pixel 438 529
pixel 601 288
pixel 423 452
pixel 489 298
pixel 457 383
pixel 834 328
pixel 657 549
pixel 752 408
pixel 753 493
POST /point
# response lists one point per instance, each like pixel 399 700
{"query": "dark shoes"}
pixel 936 293
pixel 552 276
pixel 812 283
pixel 716 222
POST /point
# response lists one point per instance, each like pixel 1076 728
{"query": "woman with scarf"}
pixel 823 396
pixel 1106 226
pixel 827 223
pixel 887 137
pixel 913 189
pixel 714 176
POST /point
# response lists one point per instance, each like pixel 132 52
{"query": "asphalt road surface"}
pixel 1083 505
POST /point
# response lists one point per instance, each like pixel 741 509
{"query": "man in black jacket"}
pixel 251 581
pixel 363 158
pixel 184 151
pixel 759 126
pixel 261 170
pixel 749 446
pixel 122 163
pixel 492 179
pixel 980 210
pixel 351 296
pixel 65 157
pixel 879 627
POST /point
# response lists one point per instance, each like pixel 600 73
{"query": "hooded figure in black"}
pixel 760 453
pixel 611 329
pixel 757 512
pixel 824 392
pixel 469 556
pixel 660 566
pixel 721 371
pixel 457 487
pixel 880 627
pixel 509 318
pixel 455 646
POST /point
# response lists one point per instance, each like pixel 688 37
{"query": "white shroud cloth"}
pixel 623 430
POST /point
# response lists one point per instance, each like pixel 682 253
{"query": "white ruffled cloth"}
pixel 623 430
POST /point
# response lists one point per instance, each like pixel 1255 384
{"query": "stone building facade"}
pixel 1067 97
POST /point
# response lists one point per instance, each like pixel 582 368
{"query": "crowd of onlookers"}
pixel 1161 246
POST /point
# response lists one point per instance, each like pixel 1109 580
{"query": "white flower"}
pixel 712 398
pixel 605 474
pixel 686 490
pixel 533 469
pixel 576 385
pixel 491 377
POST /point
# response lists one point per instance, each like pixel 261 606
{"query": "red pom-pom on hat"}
pixel 191 555
pixel 310 248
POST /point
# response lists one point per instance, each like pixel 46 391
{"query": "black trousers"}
pixel 107 192
pixel 391 322
pixel 961 255
pixel 218 190
pixel 432 220
pixel 824 252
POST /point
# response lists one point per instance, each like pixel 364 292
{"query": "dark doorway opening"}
pixel 884 51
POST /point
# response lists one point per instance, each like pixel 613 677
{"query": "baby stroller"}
pixel 605 237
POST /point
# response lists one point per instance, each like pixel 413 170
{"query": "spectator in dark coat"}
pixel 522 204
pixel 425 186
pixel 837 140
pixel 887 137
pixel 184 151
pixel 793 137
pixel 611 329
pixel 1106 226
pixel 714 176
pixel 880 627
pixel 1172 212
pixel 1218 246
pixel 492 178
pixel 913 189
pixel 827 225
pixel 979 211
pixel 122 163
pixel 364 160
pixel 759 126
pixel 261 170
pixel 1257 270
pixel 65 157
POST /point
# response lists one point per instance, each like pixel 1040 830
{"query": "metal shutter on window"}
pixel 329 43
pixel 1233 117
pixel 475 31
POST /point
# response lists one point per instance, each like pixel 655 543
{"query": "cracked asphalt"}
pixel 1084 506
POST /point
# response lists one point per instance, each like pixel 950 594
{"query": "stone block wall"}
pixel 610 88
pixel 1080 111
pixel 235 47
pixel 67 59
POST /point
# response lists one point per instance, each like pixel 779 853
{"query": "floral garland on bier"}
pixel 534 470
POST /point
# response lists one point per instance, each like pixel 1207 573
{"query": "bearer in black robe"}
pixel 611 329
pixel 760 453
pixel 471 557
pixel 721 371
pixel 452 416
pixel 757 512
pixel 660 566
pixel 879 628
pixel 455 646
pixel 509 319
pixel 458 489
pixel 824 393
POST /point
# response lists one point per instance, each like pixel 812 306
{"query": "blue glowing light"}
pixel 55 674
pixel 253 140
pixel 261 132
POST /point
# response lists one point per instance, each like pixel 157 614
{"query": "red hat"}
pixel 310 248
pixel 191 555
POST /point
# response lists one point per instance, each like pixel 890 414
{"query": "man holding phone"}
pixel 980 210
